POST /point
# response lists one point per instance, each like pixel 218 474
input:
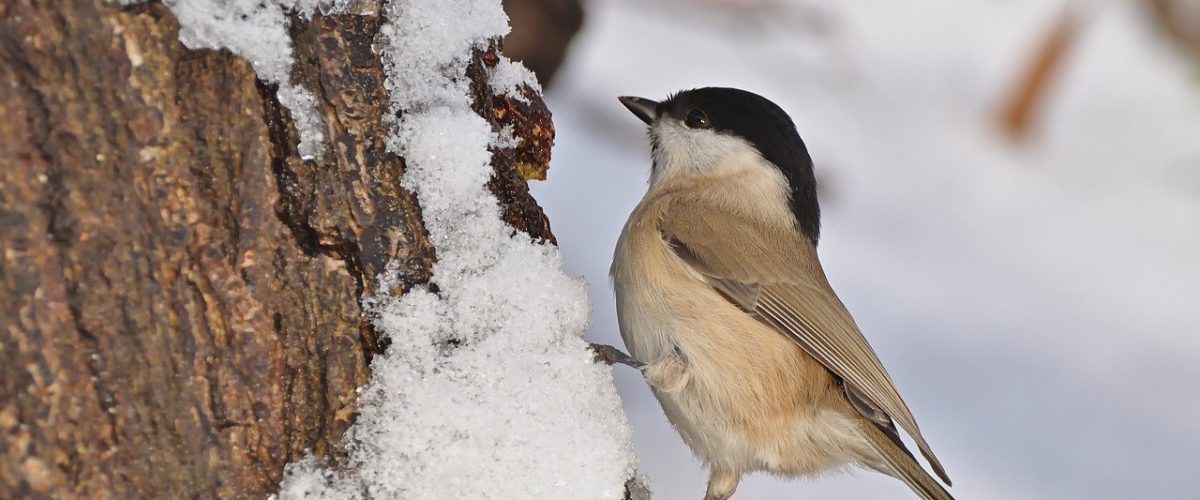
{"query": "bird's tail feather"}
pixel 900 462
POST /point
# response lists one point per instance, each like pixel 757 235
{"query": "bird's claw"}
pixel 609 355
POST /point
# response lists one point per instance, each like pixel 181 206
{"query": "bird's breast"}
pixel 732 359
pixel 753 400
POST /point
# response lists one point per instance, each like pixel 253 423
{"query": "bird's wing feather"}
pixel 892 458
pixel 789 291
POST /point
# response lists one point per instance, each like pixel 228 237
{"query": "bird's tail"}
pixel 894 459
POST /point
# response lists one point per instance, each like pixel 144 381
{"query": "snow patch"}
pixel 418 65
pixel 506 138
pixel 508 77
pixel 310 478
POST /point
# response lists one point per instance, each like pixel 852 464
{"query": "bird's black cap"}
pixel 759 122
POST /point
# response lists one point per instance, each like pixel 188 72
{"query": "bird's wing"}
pixel 788 291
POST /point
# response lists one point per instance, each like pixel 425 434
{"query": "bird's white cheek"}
pixel 682 151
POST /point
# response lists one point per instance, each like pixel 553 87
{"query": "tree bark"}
pixel 180 292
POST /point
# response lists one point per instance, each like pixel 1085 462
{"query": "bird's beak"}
pixel 643 108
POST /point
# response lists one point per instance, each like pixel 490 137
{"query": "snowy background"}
pixel 1037 305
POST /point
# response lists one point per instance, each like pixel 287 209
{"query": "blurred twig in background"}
pixel 1180 20
pixel 1028 95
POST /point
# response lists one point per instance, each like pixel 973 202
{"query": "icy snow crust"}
pixel 487 390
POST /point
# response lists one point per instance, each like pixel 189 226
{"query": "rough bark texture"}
pixel 179 292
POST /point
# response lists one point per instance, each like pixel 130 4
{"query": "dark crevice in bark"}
pixel 294 209
pixel 293 206
pixel 142 7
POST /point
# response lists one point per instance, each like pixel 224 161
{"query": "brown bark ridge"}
pixel 179 292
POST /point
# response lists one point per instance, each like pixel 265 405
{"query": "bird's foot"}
pixel 609 355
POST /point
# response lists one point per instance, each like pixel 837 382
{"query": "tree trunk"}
pixel 180 292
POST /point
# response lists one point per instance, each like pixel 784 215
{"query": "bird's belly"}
pixel 772 414
pixel 752 400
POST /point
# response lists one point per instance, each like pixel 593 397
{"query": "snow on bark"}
pixel 488 389
pixel 258 31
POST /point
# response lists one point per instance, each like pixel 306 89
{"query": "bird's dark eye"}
pixel 696 119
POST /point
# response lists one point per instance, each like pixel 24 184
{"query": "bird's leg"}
pixel 667 374
pixel 722 483
pixel 609 355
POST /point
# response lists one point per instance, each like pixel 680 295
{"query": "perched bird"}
pixel 724 306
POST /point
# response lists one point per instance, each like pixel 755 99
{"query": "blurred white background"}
pixel 1037 303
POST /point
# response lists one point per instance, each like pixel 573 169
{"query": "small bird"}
pixel 725 308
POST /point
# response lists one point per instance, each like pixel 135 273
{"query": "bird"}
pixel 725 309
